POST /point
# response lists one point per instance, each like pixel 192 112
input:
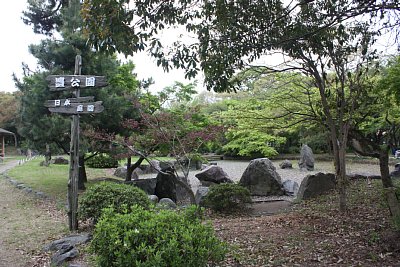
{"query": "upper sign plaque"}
pixel 71 82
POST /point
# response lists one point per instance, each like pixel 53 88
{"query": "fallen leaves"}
pixel 315 233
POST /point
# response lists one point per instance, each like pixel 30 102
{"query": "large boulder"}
pixel 306 161
pixel 122 171
pixel 261 178
pixel 213 175
pixel 147 185
pixel 166 185
pixel 315 185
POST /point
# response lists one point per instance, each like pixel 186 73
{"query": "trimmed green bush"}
pixel 148 238
pixel 227 197
pixel 106 194
pixel 102 161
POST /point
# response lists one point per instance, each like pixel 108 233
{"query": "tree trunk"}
pixel 82 177
pixel 130 168
pixel 342 178
pixel 389 190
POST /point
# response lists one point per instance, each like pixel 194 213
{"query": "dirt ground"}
pixel 278 233
pixel 26 224
pixel 313 233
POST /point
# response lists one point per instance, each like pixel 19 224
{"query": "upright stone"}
pixel 166 185
pixel 306 161
pixel 261 178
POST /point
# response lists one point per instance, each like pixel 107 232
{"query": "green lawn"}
pixel 51 180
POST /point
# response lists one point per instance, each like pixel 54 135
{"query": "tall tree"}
pixel 57 57
pixel 322 37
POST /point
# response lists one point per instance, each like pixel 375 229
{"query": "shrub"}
pixel 102 161
pixel 147 238
pixel 106 194
pixel 227 197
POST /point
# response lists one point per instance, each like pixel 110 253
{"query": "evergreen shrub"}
pixel 227 197
pixel 102 161
pixel 147 238
pixel 106 194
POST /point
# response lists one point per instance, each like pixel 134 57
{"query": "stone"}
pixel 306 161
pixel 201 192
pixel 147 185
pixel 261 178
pixel 153 167
pixel 72 240
pixel 67 252
pixel 27 190
pixel 166 203
pixel 166 185
pixel 40 194
pixel 122 171
pixel 314 185
pixel 291 187
pixel 286 164
pixel 60 161
pixel 153 198
pixel 213 175
pixel 182 194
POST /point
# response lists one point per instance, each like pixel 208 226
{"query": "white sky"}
pixel 16 37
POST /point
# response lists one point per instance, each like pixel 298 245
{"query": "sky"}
pixel 16 37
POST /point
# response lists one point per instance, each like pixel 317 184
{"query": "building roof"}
pixel 4 132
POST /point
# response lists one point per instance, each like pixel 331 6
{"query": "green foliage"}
pixel 104 195
pixel 102 161
pixel 250 142
pixel 227 197
pixel 147 238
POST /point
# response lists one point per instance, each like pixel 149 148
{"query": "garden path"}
pixel 26 224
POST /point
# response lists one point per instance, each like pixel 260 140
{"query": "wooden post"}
pixel 74 160
pixel 75 107
pixel 3 152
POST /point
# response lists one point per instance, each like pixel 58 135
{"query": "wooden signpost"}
pixel 74 106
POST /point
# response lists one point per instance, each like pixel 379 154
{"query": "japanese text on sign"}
pixel 75 82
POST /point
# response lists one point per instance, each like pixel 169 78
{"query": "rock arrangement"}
pixel 261 178
pixel 25 188
pixel 213 175
pixel 306 161
pixel 286 164
pixel 315 185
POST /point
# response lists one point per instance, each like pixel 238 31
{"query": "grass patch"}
pixel 51 180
